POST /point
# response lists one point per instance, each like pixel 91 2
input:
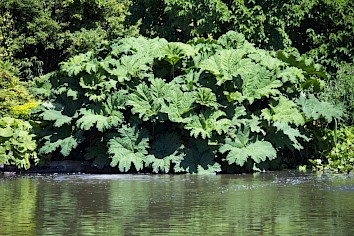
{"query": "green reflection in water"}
pixel 18 203
pixel 279 203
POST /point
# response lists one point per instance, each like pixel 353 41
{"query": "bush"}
pixel 149 104
pixel 17 144
pixel 340 158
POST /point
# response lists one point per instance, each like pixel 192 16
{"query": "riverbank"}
pixel 67 166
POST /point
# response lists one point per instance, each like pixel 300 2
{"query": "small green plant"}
pixel 340 158
pixel 17 146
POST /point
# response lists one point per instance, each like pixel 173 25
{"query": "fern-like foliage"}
pixel 204 124
pixel 240 147
pixel 147 101
pixel 89 119
pixel 256 84
pixel 315 109
pixel 178 104
pixel 130 147
pixel 206 97
pixel 227 64
pixel 292 133
pixel 56 116
pixel 285 111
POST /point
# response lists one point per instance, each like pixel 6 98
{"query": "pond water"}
pixel 277 203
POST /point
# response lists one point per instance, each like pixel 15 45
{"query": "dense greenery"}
pixel 17 145
pixel 322 28
pixel 224 96
pixel 49 31
pixel 191 107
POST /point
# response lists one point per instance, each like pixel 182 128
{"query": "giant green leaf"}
pixel 130 147
pixel 204 124
pixel 66 145
pixel 293 134
pixel 175 51
pixel 285 111
pixel 314 109
pixel 56 116
pixel 76 63
pixel 206 97
pixel 240 148
pixel 256 84
pixel 178 104
pixel 227 64
pixel 147 101
pixel 89 119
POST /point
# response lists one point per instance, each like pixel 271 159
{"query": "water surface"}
pixel 277 203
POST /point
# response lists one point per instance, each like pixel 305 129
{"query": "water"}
pixel 278 203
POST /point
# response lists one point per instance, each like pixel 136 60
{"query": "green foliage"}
pixel 129 147
pixel 339 159
pixel 341 90
pixel 205 123
pixel 167 149
pixel 241 147
pixel 285 111
pixel 147 101
pixel 174 107
pixel 323 29
pixel 53 30
pixel 17 145
pixel 15 98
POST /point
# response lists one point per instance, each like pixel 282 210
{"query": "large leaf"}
pixel 285 111
pixel 257 83
pixel 130 147
pixel 89 119
pixel 66 145
pixel 240 148
pixel 293 134
pixel 227 64
pixel 132 66
pixel 178 104
pixel 304 63
pixel 149 47
pixel 147 101
pixel 204 124
pixel 314 109
pixel 175 51
pixel 56 116
pixel 206 97
pixel 76 64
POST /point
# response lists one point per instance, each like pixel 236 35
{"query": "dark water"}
pixel 279 203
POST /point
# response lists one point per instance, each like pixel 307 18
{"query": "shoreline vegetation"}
pixel 163 86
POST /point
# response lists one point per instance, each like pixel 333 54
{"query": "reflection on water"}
pixel 279 203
